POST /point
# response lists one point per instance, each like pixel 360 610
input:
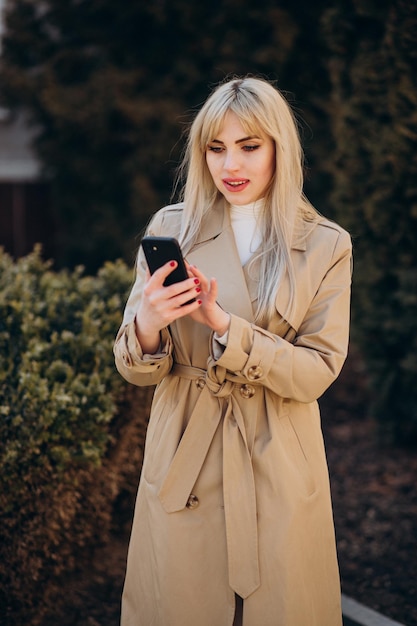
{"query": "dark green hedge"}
pixel 372 66
pixel 65 449
pixel 110 91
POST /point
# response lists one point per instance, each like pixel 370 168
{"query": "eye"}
pixel 251 148
pixel 215 148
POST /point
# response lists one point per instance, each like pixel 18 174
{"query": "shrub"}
pixel 59 395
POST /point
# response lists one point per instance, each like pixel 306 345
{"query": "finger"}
pixel 159 276
pixel 185 295
pixel 205 284
pixel 189 268
pixel 185 308
pixel 187 286
pixel 213 291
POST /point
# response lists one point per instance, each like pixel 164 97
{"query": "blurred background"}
pixel 95 96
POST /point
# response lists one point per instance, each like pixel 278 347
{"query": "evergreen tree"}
pixel 108 85
pixel 374 103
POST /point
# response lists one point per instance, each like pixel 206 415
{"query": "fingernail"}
pixel 172 264
pixel 199 302
pixel 197 282
pixel 198 289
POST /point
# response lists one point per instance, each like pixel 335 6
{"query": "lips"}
pixel 235 184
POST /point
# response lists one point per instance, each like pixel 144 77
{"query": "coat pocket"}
pixel 297 462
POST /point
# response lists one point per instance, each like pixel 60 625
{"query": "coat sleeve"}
pixel 135 366
pixel 302 370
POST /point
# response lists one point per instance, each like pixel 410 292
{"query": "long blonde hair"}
pixel 261 109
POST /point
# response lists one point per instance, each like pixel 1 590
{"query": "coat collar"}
pixel 214 222
pixel 215 249
pixel 218 219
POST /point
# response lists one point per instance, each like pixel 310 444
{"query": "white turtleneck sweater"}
pixel 245 224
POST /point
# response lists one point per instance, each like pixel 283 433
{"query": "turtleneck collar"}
pixel 251 209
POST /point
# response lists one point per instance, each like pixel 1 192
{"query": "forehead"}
pixel 233 127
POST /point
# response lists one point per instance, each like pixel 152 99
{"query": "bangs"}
pixel 251 118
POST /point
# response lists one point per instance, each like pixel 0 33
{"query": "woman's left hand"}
pixel 209 313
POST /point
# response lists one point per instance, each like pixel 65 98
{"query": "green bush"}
pixel 61 439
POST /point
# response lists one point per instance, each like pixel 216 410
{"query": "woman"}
pixel 233 520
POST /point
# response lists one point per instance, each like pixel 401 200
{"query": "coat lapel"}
pixel 215 254
pixel 283 292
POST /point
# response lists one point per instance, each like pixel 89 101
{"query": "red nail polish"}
pixel 199 302
pixel 172 264
pixel 197 282
pixel 198 289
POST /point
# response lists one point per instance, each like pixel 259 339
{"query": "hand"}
pixel 210 312
pixel 161 305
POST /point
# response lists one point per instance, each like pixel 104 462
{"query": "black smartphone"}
pixel 160 250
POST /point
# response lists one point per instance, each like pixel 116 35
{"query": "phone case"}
pixel 161 250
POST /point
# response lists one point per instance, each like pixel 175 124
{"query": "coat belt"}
pixel 238 479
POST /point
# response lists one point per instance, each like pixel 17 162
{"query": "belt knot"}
pixel 217 382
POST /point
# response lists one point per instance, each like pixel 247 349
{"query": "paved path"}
pixel 356 614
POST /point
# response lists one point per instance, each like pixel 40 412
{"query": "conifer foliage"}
pixel 106 85
pixel 109 86
pixel 372 66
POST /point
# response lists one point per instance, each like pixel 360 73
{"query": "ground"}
pixel 375 506
pixel 374 491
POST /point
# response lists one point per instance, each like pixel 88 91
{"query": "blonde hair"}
pixel 263 110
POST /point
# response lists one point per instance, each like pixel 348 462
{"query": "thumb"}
pixel 214 290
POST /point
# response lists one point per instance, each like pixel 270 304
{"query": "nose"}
pixel 231 161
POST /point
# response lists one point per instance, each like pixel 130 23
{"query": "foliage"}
pixel 374 103
pixel 59 395
pixel 108 87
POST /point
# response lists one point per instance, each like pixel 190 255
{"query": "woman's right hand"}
pixel 161 305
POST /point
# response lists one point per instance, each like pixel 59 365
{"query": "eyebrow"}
pixel 238 140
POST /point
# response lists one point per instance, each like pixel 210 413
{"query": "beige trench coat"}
pixel 234 492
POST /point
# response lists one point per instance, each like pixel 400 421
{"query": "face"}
pixel 241 166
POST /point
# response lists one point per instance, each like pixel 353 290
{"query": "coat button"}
pixel 192 502
pixel 200 382
pixel 247 391
pixel 255 372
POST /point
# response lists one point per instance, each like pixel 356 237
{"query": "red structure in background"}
pixel 25 211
